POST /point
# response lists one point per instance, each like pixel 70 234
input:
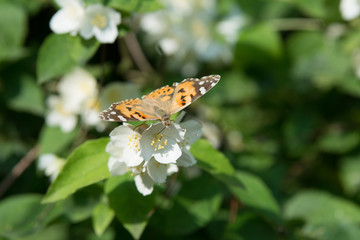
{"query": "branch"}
pixel 18 169
pixel 137 54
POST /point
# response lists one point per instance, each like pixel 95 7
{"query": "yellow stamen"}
pixel 99 21
pixel 159 141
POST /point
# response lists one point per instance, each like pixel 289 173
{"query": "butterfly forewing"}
pixel 190 90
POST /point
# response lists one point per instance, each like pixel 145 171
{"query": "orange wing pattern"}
pixel 191 89
pixel 162 102
pixel 128 110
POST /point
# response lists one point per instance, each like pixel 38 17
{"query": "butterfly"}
pixel 161 103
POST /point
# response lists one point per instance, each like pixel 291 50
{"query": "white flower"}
pixel 162 143
pixel 51 165
pixel 231 26
pixel 212 133
pixel 190 31
pixel 90 114
pixel 69 18
pixel 125 145
pixel 76 88
pixel 78 95
pixel 94 20
pixel 349 9
pixel 193 133
pixel 101 22
pixel 144 183
pixel 156 173
pixel 151 153
pixel 126 155
pixel 58 115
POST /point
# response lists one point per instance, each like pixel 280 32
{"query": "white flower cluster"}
pixel 152 152
pixel 93 20
pixel 51 165
pixel 190 31
pixel 349 9
pixel 78 95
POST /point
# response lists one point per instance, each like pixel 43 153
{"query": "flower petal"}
pixel 349 9
pixel 169 154
pixel 193 131
pixel 144 184
pixel 175 131
pixel 67 19
pixel 106 35
pixel 131 157
pixel 116 167
pixel 87 31
pixel 114 150
pixel 121 133
pixel 157 171
pixel 160 142
pixel 171 169
pixel 186 159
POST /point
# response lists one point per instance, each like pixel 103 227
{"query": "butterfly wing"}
pixel 127 110
pixel 162 95
pixel 191 89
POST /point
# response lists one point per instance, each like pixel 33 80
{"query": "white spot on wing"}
pixel 213 84
pixel 113 112
pixel 201 82
pixel 121 118
pixel 202 90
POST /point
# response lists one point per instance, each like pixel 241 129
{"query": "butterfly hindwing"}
pixel 127 110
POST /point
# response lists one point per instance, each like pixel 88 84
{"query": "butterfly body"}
pixel 161 103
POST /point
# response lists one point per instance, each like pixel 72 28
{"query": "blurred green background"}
pixel 286 114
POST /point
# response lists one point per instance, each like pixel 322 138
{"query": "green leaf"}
pixel 214 162
pixel 250 226
pixel 32 7
pixel 351 85
pixel 11 35
pixel 237 88
pixel 82 50
pixel 24 214
pixel 258 45
pixel 256 195
pixel 315 8
pixel 25 95
pixel 102 217
pixel 85 166
pixel 322 62
pixel 349 174
pixel 332 230
pixel 54 140
pixel 140 6
pixel 196 205
pixel 252 191
pixel 80 205
pixel 338 142
pixel 316 207
pixel 60 53
pixel 53 232
pixel 211 159
pixel 131 208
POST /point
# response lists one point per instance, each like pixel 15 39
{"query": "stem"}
pixel 18 169
pixel 288 24
pixel 234 207
pixel 137 54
